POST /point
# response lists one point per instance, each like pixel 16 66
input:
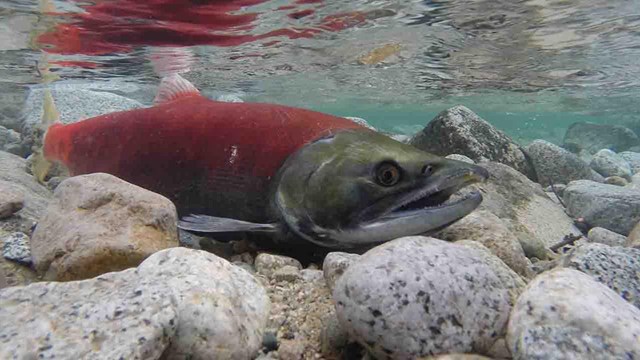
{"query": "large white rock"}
pixel 565 314
pixel 418 296
pixel 178 304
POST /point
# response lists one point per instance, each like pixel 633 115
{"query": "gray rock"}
pixel 612 207
pixel 530 214
pixel 11 142
pixel 565 314
pixel 513 282
pixel 98 223
pixel 633 159
pixel 335 264
pixel 459 131
pixel 74 102
pixel 179 303
pixel 607 237
pixel 633 240
pixel 486 228
pixel 607 163
pixel 333 338
pixel 222 309
pixel 594 137
pixel 554 164
pixel 16 247
pixel 11 199
pixel 36 196
pixel 268 264
pixel 616 267
pixel 360 121
pixel 418 296
pixel 113 316
pixel 311 275
pixel 460 158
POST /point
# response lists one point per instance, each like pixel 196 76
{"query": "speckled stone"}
pixel 607 237
pixel 460 158
pixel 98 223
pixel 510 280
pixel 222 309
pixel 554 164
pixel 459 130
pixel 565 314
pixel 487 229
pixel 616 267
pixel 418 296
pixel 179 303
pixel 114 316
pixel 267 264
pixel 16 247
pixel 633 159
pixel 607 163
pixel 334 265
pixel 612 207
pixel 311 275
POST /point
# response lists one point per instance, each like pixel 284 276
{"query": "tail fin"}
pixel 40 166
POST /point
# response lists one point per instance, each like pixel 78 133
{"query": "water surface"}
pixel 530 67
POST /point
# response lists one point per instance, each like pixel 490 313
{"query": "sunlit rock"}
pixel 98 223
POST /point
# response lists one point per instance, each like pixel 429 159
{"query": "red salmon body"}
pixel 211 157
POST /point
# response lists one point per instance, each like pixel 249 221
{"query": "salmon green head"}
pixel 359 188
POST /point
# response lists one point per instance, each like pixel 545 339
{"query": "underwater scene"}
pixel 320 179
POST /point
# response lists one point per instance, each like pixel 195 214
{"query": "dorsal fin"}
pixel 174 87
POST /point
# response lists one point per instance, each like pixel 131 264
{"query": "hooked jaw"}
pixel 425 209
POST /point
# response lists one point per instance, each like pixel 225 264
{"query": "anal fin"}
pixel 212 224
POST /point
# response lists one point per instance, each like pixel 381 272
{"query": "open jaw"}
pixel 450 201
pixel 423 210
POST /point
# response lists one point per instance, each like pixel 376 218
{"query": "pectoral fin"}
pixel 212 224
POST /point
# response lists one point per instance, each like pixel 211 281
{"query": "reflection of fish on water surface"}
pixel 268 168
pixel 105 27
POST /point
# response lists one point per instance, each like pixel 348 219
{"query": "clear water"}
pixel 529 67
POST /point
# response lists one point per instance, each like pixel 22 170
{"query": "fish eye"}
pixel 387 174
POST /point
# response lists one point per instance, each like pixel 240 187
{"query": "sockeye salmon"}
pixel 251 167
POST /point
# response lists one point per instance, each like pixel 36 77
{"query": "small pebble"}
pixel 17 248
pixel 268 264
pixel 269 341
pixel 616 180
pixel 287 273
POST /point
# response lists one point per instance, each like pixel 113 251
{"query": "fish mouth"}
pixel 438 203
